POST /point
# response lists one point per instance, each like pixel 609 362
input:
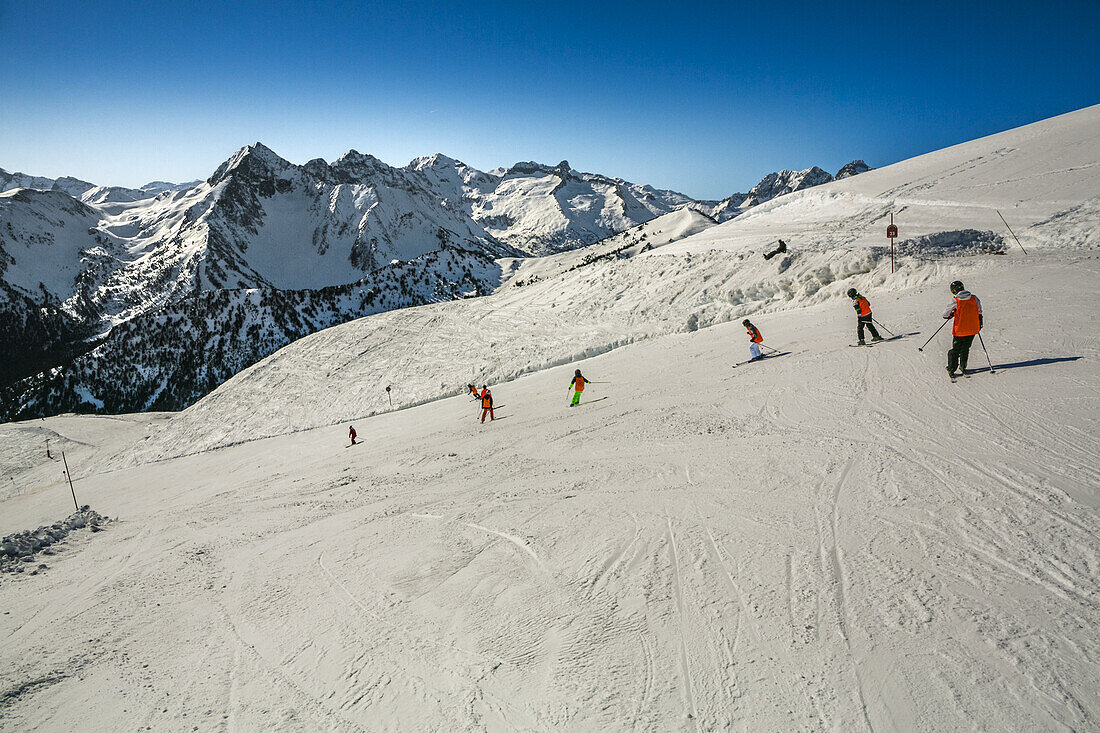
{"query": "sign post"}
pixel 388 395
pixel 892 234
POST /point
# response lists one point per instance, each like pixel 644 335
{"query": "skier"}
pixel 486 403
pixel 755 339
pixel 351 432
pixel 863 316
pixel 577 385
pixel 473 391
pixel 778 250
pixel 967 312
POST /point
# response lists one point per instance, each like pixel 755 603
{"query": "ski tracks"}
pixel 685 664
pixel 832 558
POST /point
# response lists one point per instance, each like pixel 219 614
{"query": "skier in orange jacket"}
pixel 577 385
pixel 755 339
pixel 863 316
pixel 967 312
pixel 486 403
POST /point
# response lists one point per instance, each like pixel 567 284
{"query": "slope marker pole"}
pixel 69 476
pixel 1010 232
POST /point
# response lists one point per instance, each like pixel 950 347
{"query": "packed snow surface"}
pixel 832 539
pixel 835 539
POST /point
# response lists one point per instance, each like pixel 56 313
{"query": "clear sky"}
pixel 704 98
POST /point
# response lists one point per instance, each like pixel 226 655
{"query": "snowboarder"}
pixel 755 339
pixel 781 248
pixel 863 316
pixel 967 312
pixel 577 385
pixel 486 403
pixel 351 433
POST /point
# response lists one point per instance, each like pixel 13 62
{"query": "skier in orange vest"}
pixel 967 312
pixel 755 339
pixel 473 391
pixel 486 403
pixel 863 316
pixel 577 385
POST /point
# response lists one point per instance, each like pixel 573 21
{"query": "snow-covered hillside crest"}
pixel 72 269
pixel 560 309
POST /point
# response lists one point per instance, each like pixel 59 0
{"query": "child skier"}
pixel 967 312
pixel 863 316
pixel 755 339
pixel 486 403
pixel 577 385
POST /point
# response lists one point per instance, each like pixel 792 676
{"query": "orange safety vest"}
pixel 967 317
pixel 486 399
pixel 578 384
pixel 864 306
pixel 754 334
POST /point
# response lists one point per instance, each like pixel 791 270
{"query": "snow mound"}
pixel 20 548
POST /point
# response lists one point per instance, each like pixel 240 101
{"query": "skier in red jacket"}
pixel 351 432
pixel 486 403
pixel 864 319
pixel 967 312
pixel 755 339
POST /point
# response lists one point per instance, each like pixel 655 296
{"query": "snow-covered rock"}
pixel 852 169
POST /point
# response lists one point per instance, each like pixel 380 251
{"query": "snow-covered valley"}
pixel 832 539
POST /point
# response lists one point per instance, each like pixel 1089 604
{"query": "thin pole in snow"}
pixel 69 476
pixel 389 395
pixel 48 449
pixel 1011 232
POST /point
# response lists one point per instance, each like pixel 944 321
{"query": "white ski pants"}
pixel 754 349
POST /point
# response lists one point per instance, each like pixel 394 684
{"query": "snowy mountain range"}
pixel 78 260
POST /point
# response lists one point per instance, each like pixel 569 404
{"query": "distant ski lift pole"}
pixel 389 395
pixel 892 234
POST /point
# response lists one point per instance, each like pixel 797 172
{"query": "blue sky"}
pixel 703 98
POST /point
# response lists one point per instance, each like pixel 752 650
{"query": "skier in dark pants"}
pixel 967 312
pixel 486 403
pixel 863 316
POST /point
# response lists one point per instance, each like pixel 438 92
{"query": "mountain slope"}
pixel 836 539
pixel 713 276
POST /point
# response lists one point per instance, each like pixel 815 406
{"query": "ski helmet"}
pixel 852 292
pixel 957 287
pixel 745 322
pixel 578 372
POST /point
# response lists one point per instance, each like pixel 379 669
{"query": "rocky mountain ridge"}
pixel 88 273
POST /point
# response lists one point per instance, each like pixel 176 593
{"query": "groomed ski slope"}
pixel 1044 178
pixel 837 539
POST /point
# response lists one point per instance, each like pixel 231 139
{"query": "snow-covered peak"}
pixel 783 182
pixel 67 184
pixel 852 169
pixel 255 158
pixel 435 160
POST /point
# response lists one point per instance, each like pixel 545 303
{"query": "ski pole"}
pixel 933 335
pixel 884 328
pixel 982 342
pixel 774 351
